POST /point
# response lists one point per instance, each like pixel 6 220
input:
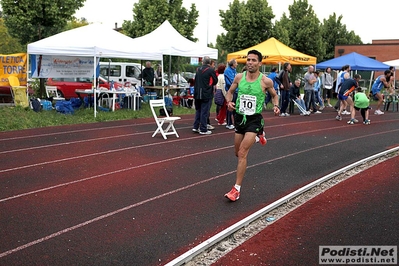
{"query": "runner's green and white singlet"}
pixel 250 96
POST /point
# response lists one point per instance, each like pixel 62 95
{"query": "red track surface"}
pixel 362 210
pixel 109 194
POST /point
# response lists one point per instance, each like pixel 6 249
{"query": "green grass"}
pixel 17 118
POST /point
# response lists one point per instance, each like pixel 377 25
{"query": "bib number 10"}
pixel 247 104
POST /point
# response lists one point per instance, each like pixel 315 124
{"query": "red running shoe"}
pixel 233 195
pixel 261 139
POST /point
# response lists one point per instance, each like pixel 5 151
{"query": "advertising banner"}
pixel 13 65
pixel 51 66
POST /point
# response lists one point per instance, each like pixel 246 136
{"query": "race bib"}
pixel 247 104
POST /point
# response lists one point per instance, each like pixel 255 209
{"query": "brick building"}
pixel 381 50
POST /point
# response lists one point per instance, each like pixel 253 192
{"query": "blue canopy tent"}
pixel 355 60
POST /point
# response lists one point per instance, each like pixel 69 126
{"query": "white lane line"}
pixel 208 243
pixel 149 144
pixel 182 157
pixel 140 133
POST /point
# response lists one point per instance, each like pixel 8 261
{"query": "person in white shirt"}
pixel 327 82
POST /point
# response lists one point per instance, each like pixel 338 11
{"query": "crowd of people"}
pixel 241 98
pixel 319 89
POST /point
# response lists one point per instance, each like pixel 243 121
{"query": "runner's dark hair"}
pixel 256 52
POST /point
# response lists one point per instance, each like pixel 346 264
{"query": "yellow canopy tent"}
pixel 274 53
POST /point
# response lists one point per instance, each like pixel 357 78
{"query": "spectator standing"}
pixel 158 76
pixel 248 118
pixel 317 88
pixel 220 89
pixel 205 79
pixel 148 74
pixel 229 75
pixel 310 80
pixel 340 80
pixel 284 82
pixel 327 82
pixel 344 95
pixel 272 76
pixel 211 81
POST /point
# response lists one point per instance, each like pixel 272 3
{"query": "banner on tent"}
pixel 13 65
pixel 50 66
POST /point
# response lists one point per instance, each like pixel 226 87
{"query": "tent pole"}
pixel 95 86
pixel 371 80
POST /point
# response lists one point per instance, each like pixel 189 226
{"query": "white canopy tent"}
pixel 170 42
pixel 394 63
pixel 94 40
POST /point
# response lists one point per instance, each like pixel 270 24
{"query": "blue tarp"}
pixel 355 60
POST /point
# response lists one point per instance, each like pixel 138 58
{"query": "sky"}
pixel 369 21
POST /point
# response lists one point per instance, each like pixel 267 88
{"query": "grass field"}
pixel 17 118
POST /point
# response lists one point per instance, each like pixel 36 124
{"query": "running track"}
pixel 109 194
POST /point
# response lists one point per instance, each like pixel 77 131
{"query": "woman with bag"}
pixel 219 97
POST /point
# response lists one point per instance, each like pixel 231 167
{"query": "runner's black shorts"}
pixel 254 123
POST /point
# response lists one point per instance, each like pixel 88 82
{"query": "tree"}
pixel 335 33
pixel 8 44
pixel 246 24
pixel 281 31
pixel 150 14
pixel 305 32
pixel 76 23
pixel 32 20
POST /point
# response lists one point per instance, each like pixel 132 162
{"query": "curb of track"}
pixel 189 255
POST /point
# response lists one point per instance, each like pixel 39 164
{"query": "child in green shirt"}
pixel 362 104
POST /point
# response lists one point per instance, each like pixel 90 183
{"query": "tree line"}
pixel 246 23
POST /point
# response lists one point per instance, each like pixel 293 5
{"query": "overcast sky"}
pixel 369 21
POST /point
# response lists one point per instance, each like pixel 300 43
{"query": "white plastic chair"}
pixel 169 121
pixel 52 91
pixel 105 100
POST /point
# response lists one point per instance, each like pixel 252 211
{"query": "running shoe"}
pixel 261 139
pixel 366 122
pixel 329 105
pixel 223 124
pixel 317 112
pixel 196 130
pixel 321 108
pixel 355 120
pixel 351 122
pixel 378 112
pixel 233 195
pixel 206 132
pixel 210 127
pixel 230 127
pixel 344 112
pixel 338 117
pixel 282 114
